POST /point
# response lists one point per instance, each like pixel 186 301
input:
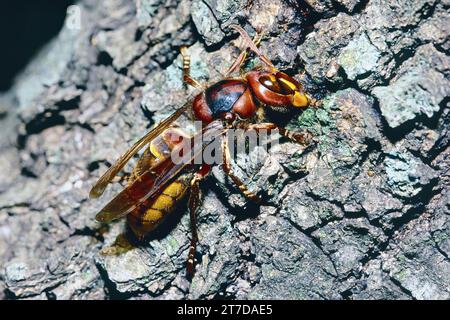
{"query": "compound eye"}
pixel 271 83
pixel 289 84
pixel 280 83
pixel 277 89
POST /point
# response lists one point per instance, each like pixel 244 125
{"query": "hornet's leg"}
pixel 186 69
pixel 226 166
pixel 243 55
pixel 252 46
pixel 194 203
pixel 303 137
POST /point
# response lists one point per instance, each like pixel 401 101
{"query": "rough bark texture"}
pixel 364 215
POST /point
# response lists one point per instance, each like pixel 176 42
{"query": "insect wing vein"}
pixel 98 189
pixel 151 182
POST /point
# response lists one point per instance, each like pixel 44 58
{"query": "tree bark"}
pixel 362 215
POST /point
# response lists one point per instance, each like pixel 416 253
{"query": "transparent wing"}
pixel 151 182
pixel 98 189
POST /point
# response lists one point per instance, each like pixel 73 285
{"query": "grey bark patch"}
pixel 418 89
pixel 406 175
pixel 296 270
pixel 358 57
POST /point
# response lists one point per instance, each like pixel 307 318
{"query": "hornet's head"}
pixel 277 89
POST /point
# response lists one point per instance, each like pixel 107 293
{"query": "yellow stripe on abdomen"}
pixel 165 202
pixel 152 216
pixel 146 221
pixel 175 190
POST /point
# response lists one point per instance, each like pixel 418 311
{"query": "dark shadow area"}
pixel 25 26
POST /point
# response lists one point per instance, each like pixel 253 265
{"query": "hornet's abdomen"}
pixel 224 96
pixel 149 214
pixel 152 212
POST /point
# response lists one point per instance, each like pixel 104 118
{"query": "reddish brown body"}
pixel 240 96
pixel 228 95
